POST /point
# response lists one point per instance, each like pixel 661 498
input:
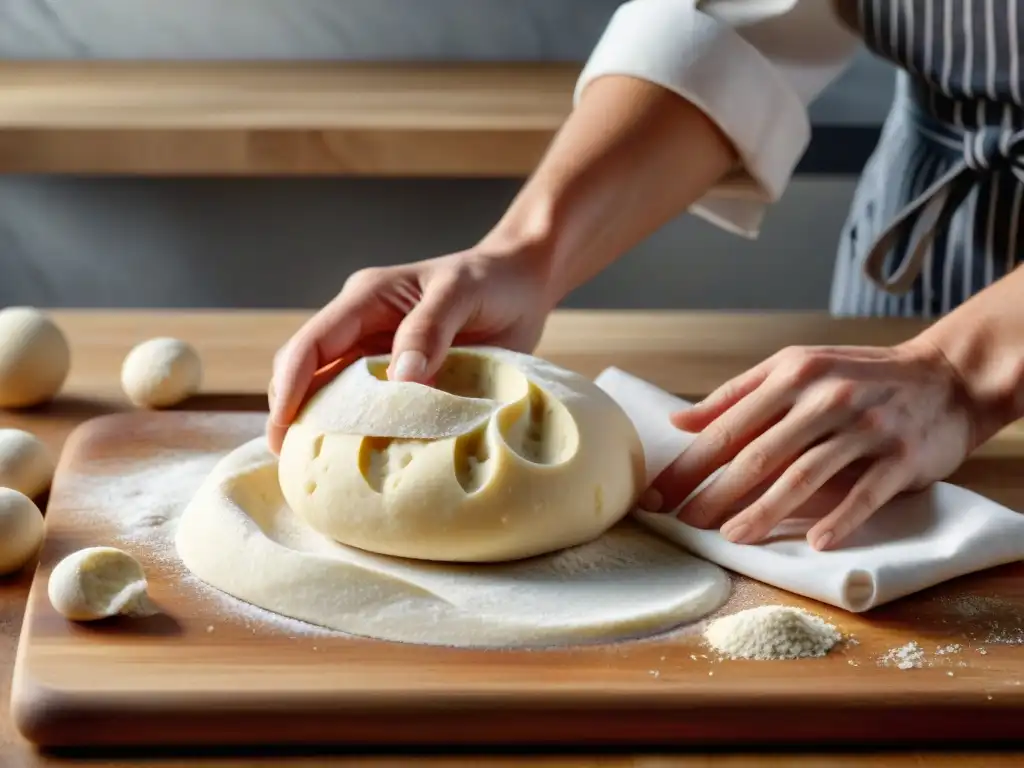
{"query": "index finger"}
pixel 332 334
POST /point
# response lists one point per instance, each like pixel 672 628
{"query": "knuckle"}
pixel 366 279
pixel 874 421
pixel 753 462
pixel 715 439
pixel 866 498
pixel 799 478
pixel 800 365
pixel 903 448
pixel 841 395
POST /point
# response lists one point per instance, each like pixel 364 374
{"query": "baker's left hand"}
pixel 892 418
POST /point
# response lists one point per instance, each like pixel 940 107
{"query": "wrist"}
pixel 527 235
pixel 988 367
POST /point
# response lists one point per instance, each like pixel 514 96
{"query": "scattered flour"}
pixel 991 620
pixel 771 632
pixel 137 505
pixel 909 656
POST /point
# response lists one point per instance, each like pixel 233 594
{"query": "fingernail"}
pixel 737 534
pixel 410 366
pixel 651 501
pixel 824 540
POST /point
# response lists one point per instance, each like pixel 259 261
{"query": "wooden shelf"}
pixel 280 118
pixel 272 119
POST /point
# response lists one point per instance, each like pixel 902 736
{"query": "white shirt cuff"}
pixel 760 106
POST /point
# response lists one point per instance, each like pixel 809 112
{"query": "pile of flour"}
pixel 771 632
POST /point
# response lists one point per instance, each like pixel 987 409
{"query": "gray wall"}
pixel 291 243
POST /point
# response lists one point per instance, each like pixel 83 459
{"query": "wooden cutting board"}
pixel 209 671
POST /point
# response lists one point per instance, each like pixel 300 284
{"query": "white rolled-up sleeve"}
pixel 752 66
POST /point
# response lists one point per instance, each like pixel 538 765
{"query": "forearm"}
pixel 630 157
pixel 983 340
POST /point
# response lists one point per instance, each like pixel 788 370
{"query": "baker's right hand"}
pixel 417 312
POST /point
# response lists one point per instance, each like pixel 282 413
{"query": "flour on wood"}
pixel 771 632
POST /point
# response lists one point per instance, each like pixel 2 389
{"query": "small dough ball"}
pixel 21 530
pixel 34 358
pixel 26 464
pixel 161 372
pixel 97 583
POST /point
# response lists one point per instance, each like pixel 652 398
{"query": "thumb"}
pixel 426 334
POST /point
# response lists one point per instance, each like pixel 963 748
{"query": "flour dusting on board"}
pixel 139 502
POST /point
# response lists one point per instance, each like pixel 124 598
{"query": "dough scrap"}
pixel 161 372
pixel 239 536
pixel 34 357
pixel 97 583
pixel 505 457
pixel 21 530
pixel 26 464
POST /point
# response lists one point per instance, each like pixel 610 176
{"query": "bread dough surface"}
pixel 161 372
pixel 239 535
pixel 34 357
pixel 21 530
pixel 26 464
pixel 97 583
pixel 506 456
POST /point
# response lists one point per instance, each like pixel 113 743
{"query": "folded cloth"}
pixel 914 542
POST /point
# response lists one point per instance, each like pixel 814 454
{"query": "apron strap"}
pixel 984 152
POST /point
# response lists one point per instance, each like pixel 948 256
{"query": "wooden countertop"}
pixel 688 353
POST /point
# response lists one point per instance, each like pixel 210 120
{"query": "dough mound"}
pixel 26 464
pixel 34 358
pixel 161 372
pixel 506 456
pixel 21 530
pixel 239 536
pixel 97 583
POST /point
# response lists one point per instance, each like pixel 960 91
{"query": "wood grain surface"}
pixel 688 353
pixel 285 118
pixel 203 673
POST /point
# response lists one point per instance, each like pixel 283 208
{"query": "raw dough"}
pixel 34 357
pixel 21 530
pixel 97 583
pixel 505 457
pixel 26 464
pixel 239 536
pixel 161 372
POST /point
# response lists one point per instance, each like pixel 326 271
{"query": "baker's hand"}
pixel 417 312
pixel 891 419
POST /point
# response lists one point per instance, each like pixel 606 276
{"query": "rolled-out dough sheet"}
pixel 239 536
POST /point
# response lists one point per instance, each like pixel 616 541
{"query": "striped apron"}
pixel 937 213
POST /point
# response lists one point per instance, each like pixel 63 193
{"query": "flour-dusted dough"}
pixel 21 530
pixel 161 372
pixel 238 535
pixel 506 456
pixel 34 357
pixel 97 583
pixel 26 464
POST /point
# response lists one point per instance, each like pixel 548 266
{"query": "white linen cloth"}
pixel 914 542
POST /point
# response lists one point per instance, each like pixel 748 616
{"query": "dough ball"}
pixel 505 457
pixel 26 464
pixel 161 372
pixel 34 358
pixel 21 530
pixel 99 582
